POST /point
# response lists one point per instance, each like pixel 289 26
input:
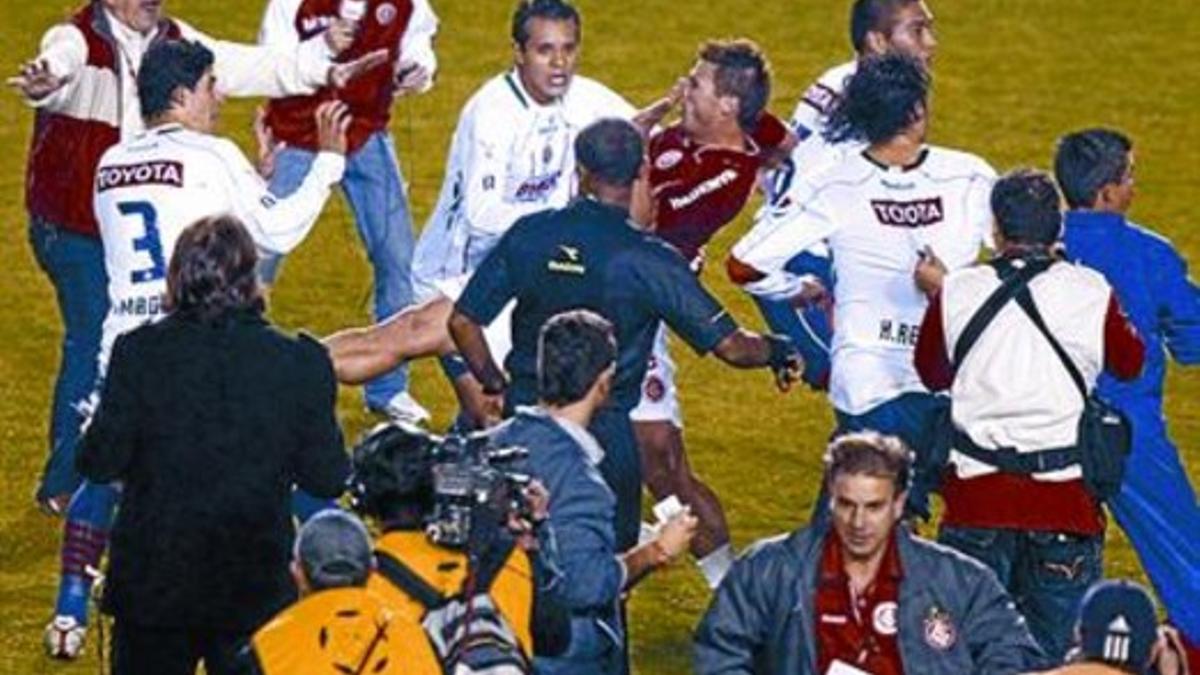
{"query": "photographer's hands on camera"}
pixel 525 526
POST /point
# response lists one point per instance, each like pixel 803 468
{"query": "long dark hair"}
pixel 213 270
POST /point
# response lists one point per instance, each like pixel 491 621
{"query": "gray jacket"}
pixel 954 617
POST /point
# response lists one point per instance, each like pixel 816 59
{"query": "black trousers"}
pixel 146 650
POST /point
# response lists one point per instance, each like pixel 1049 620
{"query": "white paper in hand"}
pixel 667 509
pixel 843 668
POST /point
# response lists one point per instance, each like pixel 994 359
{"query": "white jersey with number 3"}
pixel 875 220
pixel 150 188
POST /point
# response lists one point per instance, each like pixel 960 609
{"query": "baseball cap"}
pixel 1117 624
pixel 334 549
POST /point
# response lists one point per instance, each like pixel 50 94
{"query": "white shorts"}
pixel 498 333
pixel 660 401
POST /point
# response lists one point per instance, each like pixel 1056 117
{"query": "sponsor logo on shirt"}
pixel 146 173
pixel 536 189
pixel 913 214
pixel 311 25
pixel 707 187
pixel 569 262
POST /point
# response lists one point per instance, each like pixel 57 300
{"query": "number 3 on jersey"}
pixel 149 241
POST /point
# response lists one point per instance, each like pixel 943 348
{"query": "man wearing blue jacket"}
pixel 857 594
pixel 1157 506
pixel 576 364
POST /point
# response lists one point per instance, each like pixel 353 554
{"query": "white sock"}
pixel 714 565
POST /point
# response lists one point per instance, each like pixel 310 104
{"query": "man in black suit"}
pixel 208 418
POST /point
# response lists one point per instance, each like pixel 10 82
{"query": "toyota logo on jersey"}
pixel 916 213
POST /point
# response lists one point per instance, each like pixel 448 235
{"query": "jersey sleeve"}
pixel 778 235
pixel 64 52
pixel 256 70
pixel 1179 306
pixel 665 282
pixel 979 205
pixel 811 110
pixel 278 224
pixel 491 285
pixel 278 28
pixel 417 43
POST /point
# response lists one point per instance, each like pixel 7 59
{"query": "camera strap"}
pixel 1015 279
pixel 407 580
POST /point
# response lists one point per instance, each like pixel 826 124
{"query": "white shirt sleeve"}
pixel 278 224
pixel 253 70
pixel 417 43
pixel 777 236
pixel 979 206
pixel 278 28
pixel 64 50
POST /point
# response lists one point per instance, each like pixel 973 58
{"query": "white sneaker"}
pixel 404 408
pixel 64 637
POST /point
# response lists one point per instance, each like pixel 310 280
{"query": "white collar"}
pixel 592 451
pixel 126 35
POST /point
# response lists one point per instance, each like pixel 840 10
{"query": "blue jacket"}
pixel 954 617
pixel 1151 281
pixel 582 509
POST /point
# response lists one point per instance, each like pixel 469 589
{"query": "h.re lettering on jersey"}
pixel 146 173
pixel 917 213
pixel 709 186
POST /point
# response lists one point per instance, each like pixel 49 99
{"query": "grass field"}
pixel 1011 75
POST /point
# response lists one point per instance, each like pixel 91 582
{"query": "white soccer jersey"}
pixel 149 189
pixel 875 220
pixel 510 157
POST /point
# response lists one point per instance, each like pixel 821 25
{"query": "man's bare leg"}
pixel 362 354
pixel 667 472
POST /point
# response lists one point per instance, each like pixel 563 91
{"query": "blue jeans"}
pixel 912 417
pixel 1046 573
pixel 1158 510
pixel 376 193
pixel 75 265
pixel 595 649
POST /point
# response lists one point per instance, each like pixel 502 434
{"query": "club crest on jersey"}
pixel 940 632
pixel 385 13
pixel 912 214
pixel 146 173
pixel 668 160
pixel 883 619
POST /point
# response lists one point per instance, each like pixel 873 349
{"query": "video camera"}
pixel 463 483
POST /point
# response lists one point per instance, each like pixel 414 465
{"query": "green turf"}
pixel 1010 76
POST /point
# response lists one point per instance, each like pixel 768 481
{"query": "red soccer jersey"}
pixel 858 629
pixel 369 96
pixel 699 188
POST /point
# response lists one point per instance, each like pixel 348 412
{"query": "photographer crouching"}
pixel 575 366
pixel 466 552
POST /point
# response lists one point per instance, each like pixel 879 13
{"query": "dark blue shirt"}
pixel 1151 282
pixel 590 256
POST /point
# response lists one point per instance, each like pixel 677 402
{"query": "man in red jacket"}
pixel 373 185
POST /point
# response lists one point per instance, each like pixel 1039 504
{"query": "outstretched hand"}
pixel 341 74
pixel 35 81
